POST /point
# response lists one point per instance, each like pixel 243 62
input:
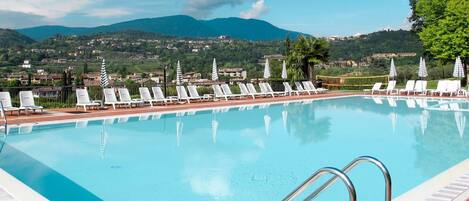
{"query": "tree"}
pixel 307 52
pixel 445 30
pixel 85 68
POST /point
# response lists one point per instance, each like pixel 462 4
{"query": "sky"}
pixel 315 17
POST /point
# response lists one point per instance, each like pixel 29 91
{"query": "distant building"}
pixel 389 55
pixel 233 73
pixel 26 64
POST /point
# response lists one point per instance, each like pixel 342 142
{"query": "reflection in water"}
pixel 267 124
pixel 424 121
pixel 103 141
pixel 285 118
pixel 214 130
pixel 460 123
pixel 179 127
pixel 304 124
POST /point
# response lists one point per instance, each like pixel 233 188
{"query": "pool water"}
pixel 252 153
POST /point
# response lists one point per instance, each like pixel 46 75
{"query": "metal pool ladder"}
pixel 342 174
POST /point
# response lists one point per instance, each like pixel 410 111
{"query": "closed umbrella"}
pixel 178 74
pixel 266 69
pixel 284 71
pixel 104 82
pixel 214 70
pixel 392 71
pixel 422 68
pixel 104 78
pixel 458 71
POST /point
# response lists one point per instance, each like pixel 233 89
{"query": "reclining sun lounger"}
pixel 409 87
pixel 194 94
pixel 441 88
pixel 5 98
pixel 145 96
pixel 390 88
pixel 227 91
pixel 420 87
pixel 159 95
pixel 300 88
pixel 252 90
pixel 124 96
pixel 289 90
pixel 111 99
pixel 308 85
pixel 27 102
pixel 375 89
pixel 183 96
pixel 244 90
pixel 266 88
pixel 83 100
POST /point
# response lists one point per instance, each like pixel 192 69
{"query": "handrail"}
pixel 319 173
pixel 353 164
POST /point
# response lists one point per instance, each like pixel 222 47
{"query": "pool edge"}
pixel 17 189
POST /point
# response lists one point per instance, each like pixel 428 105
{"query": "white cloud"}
pixel 50 9
pixel 108 12
pixel 203 8
pixel 258 8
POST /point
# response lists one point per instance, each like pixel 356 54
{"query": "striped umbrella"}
pixel 214 70
pixel 458 69
pixel 104 78
pixel 284 70
pixel 267 69
pixel 393 72
pixel 422 68
pixel 178 74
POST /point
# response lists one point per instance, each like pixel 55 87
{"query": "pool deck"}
pixel 50 115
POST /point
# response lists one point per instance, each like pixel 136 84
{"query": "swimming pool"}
pixel 247 153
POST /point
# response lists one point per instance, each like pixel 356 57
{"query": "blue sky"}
pixel 316 17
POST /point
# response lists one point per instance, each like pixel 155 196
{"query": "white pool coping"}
pixel 450 185
pixel 17 190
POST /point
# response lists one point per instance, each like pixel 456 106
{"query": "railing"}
pixel 336 172
pixel 344 171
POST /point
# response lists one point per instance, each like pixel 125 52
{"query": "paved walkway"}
pixel 72 113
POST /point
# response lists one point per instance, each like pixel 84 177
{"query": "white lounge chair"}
pixel 244 90
pixel 252 90
pixel 420 87
pixel 227 91
pixel 217 90
pixel 83 100
pixel 194 94
pixel 375 89
pixel 111 99
pixel 453 87
pixel 268 89
pixel 27 102
pixel 5 98
pixel 441 87
pixel 409 87
pixel 390 88
pixel 289 90
pixel 124 96
pixel 183 95
pixel 308 85
pixel 300 88
pixel 145 96
pixel 159 95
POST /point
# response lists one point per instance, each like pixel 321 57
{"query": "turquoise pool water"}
pixel 241 154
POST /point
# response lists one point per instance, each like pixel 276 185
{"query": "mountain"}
pixel 11 38
pixel 178 25
pixel 355 48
